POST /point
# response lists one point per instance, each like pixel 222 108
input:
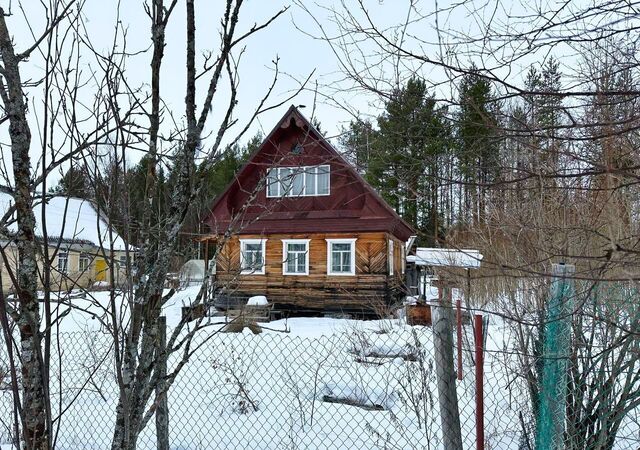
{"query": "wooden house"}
pixel 301 226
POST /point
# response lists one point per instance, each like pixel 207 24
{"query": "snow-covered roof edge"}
pixel 441 257
pixel 72 220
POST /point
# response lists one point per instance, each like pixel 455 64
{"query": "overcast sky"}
pixel 300 54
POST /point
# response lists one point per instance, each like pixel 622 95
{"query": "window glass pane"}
pixel 272 183
pixel 252 257
pixel 341 258
pixel 285 181
pixel 298 183
pixel 253 247
pixel 310 181
pixel 346 261
pixel 291 263
pixel 296 257
pixel 323 180
pixel 297 247
pixel 335 261
pixel 302 262
pixel 83 263
pixel 62 262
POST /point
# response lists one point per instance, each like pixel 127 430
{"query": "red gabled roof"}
pixel 353 205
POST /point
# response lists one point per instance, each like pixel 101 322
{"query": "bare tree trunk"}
pixel 162 408
pixel 35 408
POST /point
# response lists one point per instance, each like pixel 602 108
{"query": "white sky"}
pixel 299 55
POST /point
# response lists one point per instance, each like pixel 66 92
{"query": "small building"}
pixel 299 225
pixel 82 247
pixel 422 268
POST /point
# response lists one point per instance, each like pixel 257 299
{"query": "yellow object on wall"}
pixel 101 269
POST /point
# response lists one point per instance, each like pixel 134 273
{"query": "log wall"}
pixel 369 289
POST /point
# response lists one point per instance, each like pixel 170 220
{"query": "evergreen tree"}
pixel 477 141
pixel 74 183
pixel 357 142
pixel 402 158
pixel 216 177
pixel 136 181
pixel 544 108
pixel 315 122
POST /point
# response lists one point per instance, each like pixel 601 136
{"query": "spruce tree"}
pixel 403 156
pixel 477 141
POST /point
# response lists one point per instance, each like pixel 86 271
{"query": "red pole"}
pixel 459 320
pixel 479 382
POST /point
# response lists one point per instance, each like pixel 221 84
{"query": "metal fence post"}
pixel 445 371
pixel 162 408
pixel 557 336
pixel 479 338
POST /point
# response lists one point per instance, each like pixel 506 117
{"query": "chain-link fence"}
pixel 364 385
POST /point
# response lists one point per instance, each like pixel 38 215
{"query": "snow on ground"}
pixel 91 313
pixel 257 300
pixel 286 376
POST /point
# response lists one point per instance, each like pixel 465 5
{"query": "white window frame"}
pixel 285 253
pixel 390 256
pixel 84 257
pixel 351 241
pixel 243 242
pixel 66 262
pixel 295 170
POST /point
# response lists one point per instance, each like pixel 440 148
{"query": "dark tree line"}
pixel 416 148
pixel 101 186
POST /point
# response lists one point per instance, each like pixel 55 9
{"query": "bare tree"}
pixel 28 253
pixel 139 363
pixel 566 167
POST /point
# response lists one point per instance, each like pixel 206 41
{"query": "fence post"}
pixel 162 409
pixel 479 338
pixel 553 386
pixel 445 372
pixel 459 335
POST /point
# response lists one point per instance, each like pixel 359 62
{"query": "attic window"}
pixel 305 181
pixel 297 149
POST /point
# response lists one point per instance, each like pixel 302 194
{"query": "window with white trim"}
pixel 390 257
pixel 295 254
pixel 252 257
pixel 341 256
pixel 83 262
pixel 63 262
pixel 304 181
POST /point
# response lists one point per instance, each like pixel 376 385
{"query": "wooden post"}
pixel 479 338
pixel 162 409
pixel 445 372
pixel 459 336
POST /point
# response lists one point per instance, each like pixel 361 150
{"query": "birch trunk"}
pixel 35 433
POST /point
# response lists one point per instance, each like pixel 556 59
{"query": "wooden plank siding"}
pixel 370 288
